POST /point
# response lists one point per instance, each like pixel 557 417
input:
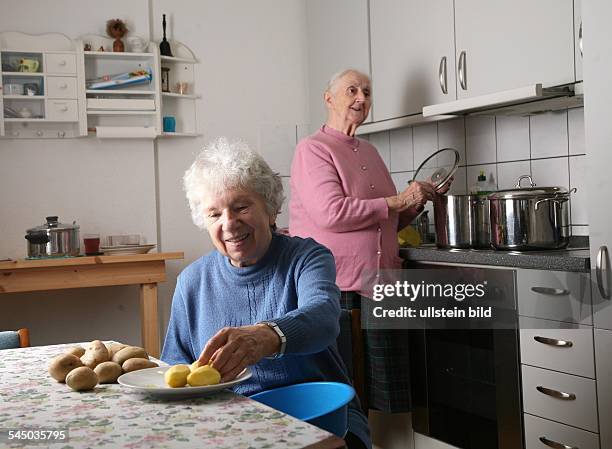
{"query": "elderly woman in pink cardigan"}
pixel 342 195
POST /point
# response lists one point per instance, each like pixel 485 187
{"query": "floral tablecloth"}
pixel 111 416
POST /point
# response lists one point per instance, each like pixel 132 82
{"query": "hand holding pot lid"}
pixel 438 169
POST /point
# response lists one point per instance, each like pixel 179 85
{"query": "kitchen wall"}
pixel 550 147
pixel 251 79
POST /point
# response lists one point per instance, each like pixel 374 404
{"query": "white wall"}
pixel 253 86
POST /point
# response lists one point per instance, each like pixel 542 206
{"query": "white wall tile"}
pixel 425 138
pixel 480 140
pixel 549 134
pixel 381 142
pixel 402 152
pixel 451 134
pixel 490 171
pixel 512 138
pixel 401 179
pixel 579 200
pixel 575 127
pixel 580 230
pixel 550 172
pixel 459 185
pixel 509 172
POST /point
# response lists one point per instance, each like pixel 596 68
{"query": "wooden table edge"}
pixel 331 442
pixel 89 260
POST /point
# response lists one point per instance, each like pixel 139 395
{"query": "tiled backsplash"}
pixel 550 147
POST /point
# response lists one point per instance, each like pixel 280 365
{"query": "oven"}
pixel 465 382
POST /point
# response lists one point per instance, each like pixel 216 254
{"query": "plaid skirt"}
pixel 387 363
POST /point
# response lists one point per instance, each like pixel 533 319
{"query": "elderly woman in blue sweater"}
pixel 261 299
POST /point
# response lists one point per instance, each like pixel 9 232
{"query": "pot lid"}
pixel 438 168
pixel 53 224
pixel 528 192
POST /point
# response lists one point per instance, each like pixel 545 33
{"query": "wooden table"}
pixel 96 271
pixel 114 417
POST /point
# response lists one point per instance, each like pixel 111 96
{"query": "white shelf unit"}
pixel 124 112
pixel 181 106
pixel 57 108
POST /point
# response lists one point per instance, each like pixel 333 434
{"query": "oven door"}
pixel 465 382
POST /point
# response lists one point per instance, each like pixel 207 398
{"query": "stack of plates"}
pixel 126 249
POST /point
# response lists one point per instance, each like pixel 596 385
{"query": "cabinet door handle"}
pixel 603 264
pixel 442 75
pixel 63 86
pixel 555 445
pixel 551 291
pixel 461 71
pixel 62 62
pixel 580 38
pixel 556 393
pixel 553 342
pixel 39 133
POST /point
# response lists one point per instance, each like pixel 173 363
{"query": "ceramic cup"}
pixel 169 124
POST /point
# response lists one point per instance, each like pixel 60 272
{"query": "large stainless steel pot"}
pixel 53 239
pixel 530 218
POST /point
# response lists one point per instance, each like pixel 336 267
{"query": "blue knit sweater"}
pixel 294 285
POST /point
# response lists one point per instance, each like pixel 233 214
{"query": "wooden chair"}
pixel 15 339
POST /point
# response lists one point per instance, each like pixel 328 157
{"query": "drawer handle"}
pixel 39 133
pixel 553 342
pixel 551 291
pixel 555 445
pixel 63 86
pixel 556 394
pixel 62 62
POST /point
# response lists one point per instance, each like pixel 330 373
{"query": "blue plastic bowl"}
pixel 323 404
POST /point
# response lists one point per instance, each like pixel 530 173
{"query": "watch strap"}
pixel 283 339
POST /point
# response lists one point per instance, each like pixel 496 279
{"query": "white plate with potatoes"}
pixel 151 381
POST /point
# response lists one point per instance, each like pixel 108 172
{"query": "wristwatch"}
pixel 272 325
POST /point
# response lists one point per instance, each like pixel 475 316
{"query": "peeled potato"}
pixel 176 376
pixel 204 375
pixel 82 379
pixel 195 365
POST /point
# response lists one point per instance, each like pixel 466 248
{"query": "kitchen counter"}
pixel 571 259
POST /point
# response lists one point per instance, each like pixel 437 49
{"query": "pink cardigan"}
pixel 338 189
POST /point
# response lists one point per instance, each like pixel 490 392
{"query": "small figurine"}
pixel 116 29
pixel 87 46
pixel 101 48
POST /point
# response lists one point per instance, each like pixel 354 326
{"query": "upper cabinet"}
pixel 431 53
pixel 413 56
pixel 338 39
pixel 39 90
pixel 506 45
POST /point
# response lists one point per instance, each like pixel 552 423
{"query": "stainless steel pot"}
pixel 462 221
pixel 530 218
pixel 53 239
pixel 453 217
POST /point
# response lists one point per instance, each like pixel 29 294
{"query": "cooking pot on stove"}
pixel 530 218
pixel 53 239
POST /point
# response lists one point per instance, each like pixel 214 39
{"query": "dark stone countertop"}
pixel 570 259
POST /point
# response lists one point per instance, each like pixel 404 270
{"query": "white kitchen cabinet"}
pixel 508 45
pixel 338 38
pixel 603 355
pixel 39 95
pixel 413 56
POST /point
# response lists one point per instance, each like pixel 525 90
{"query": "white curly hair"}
pixel 224 165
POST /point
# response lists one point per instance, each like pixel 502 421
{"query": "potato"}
pixel 131 352
pixel 204 375
pixel 77 350
pixel 176 376
pixel 82 379
pixel 134 364
pixel 114 348
pixel 95 354
pixel 108 372
pixel 61 365
pixel 195 365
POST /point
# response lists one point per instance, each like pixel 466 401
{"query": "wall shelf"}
pixel 180 135
pixel 116 55
pixel 119 92
pixel 25 97
pixel 177 59
pixel 173 95
pixel 22 73
pixel 102 112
